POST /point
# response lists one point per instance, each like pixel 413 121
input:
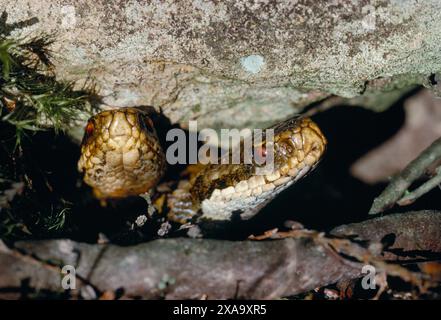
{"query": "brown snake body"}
pixel 121 156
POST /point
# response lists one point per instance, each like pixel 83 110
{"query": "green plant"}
pixel 31 97
pixel 32 100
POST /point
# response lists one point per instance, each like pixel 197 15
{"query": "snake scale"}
pixel 121 156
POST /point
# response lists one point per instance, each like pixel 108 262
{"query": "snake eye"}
pixel 260 154
pixel 147 123
pixel 261 151
pixel 150 124
pixel 89 128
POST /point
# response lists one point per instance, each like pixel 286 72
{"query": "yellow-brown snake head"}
pixel 221 192
pixel 120 153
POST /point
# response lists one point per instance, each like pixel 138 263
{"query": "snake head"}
pixel 120 153
pixel 298 147
pixel 224 191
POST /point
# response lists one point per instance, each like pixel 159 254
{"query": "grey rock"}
pixel 237 63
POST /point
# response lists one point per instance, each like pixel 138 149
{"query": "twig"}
pixel 423 189
pixel 399 184
pixel 346 247
pixel 194 268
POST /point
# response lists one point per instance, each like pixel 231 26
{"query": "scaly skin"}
pixel 120 153
pixel 221 192
pixel 121 156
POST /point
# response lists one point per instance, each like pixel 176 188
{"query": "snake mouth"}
pixel 121 154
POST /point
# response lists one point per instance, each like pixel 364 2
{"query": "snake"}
pixel 122 156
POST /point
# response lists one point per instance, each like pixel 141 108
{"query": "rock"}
pixel 421 128
pixel 237 63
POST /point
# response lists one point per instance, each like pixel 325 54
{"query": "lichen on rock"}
pixel 249 63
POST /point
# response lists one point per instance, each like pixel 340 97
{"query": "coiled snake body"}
pixel 121 156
